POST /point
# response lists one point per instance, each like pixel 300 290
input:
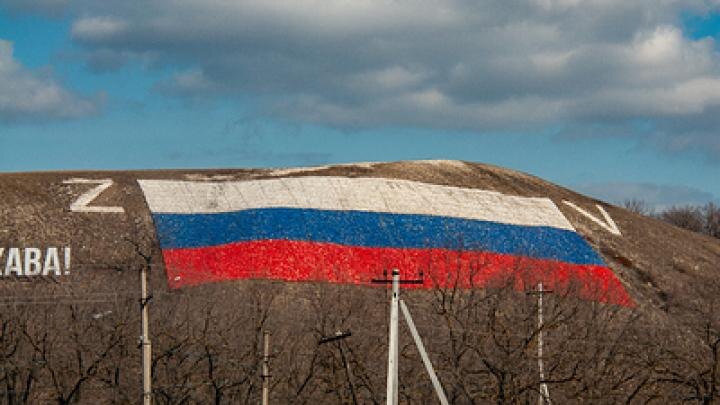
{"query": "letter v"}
pixel 608 224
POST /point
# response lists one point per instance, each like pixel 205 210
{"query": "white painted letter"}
pixel 52 262
pixel 81 204
pixel 14 264
pixel 608 224
pixel 32 262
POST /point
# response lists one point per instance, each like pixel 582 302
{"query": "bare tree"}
pixel 686 217
pixel 691 353
pixel 638 206
pixel 18 372
pixel 711 213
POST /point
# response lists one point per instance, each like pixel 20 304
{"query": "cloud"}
pixel 189 83
pixel 34 95
pixel 98 28
pixel 489 65
pixel 658 196
pixel 46 7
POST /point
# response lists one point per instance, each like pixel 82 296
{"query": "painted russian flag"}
pixel 351 230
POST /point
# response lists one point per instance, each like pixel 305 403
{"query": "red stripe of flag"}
pixel 313 261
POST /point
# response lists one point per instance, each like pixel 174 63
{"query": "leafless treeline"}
pixel 207 345
pixel 697 218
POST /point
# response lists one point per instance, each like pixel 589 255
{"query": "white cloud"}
pixel 192 82
pixel 470 64
pixel 35 96
pixel 98 28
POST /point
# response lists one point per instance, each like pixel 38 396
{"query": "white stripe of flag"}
pixel 356 194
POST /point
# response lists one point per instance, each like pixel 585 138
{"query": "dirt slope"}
pixel 653 260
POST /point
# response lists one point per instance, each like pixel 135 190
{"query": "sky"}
pixel 614 98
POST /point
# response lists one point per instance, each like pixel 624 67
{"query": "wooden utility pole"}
pixel 266 369
pixel 348 373
pixel 145 338
pixel 338 337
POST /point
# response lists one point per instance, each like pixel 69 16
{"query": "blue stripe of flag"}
pixel 372 229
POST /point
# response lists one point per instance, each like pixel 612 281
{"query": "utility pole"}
pixel 338 338
pixel 266 369
pixel 145 338
pixel 392 393
pixel 544 392
pixel 348 373
pixel 392 376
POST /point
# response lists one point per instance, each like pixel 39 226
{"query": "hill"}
pixel 632 295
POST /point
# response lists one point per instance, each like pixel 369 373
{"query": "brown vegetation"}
pixel 703 219
pixel 483 343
